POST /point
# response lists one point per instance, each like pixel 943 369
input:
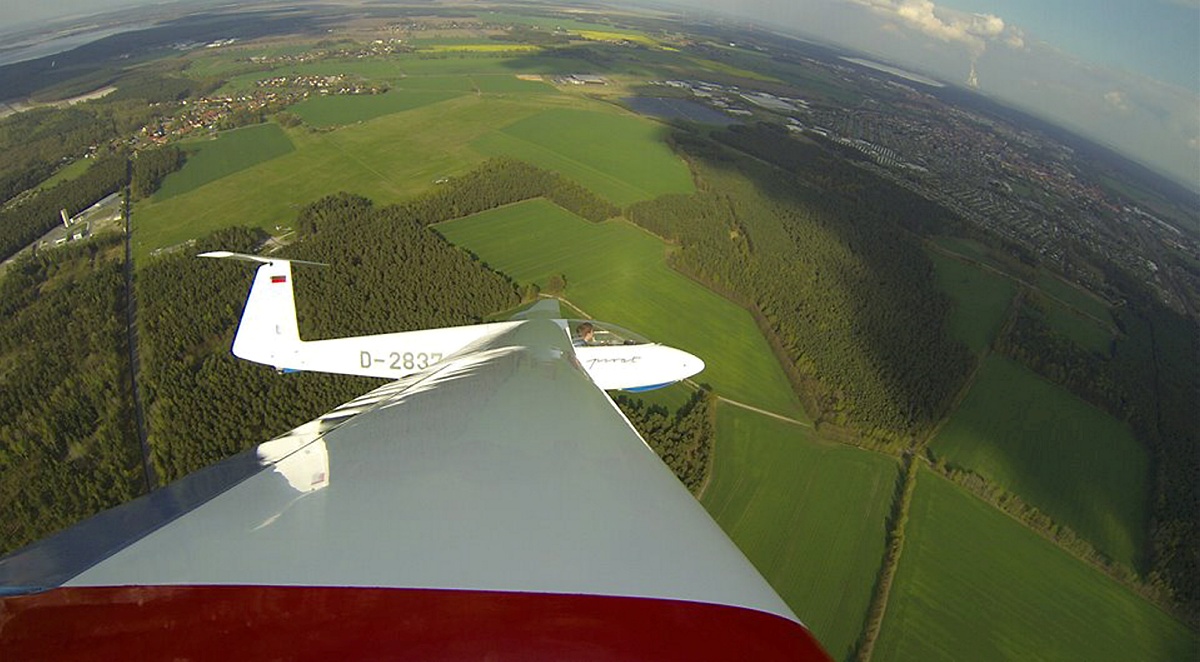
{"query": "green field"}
pixel 232 151
pixel 323 111
pixel 616 272
pixel 549 23
pixel 1082 330
pixel 981 300
pixel 443 71
pixel 971 249
pixel 510 84
pixel 809 515
pixel 454 63
pixel 386 159
pixel 67 173
pixel 975 585
pixel 623 158
pixel 399 154
pixel 1073 296
pixel 374 70
pixel 1072 461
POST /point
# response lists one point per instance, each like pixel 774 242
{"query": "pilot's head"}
pixel 586 332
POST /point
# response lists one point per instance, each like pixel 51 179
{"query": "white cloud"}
pixel 1016 37
pixel 1117 100
pixel 973 31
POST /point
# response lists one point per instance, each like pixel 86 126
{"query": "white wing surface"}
pixel 495 505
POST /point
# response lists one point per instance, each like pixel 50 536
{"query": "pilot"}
pixel 585 334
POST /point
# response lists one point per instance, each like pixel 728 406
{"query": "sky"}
pixel 1123 72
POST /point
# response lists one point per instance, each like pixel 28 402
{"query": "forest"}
pixel 149 167
pixel 683 439
pixel 37 142
pixel 387 273
pixel 841 284
pixel 68 447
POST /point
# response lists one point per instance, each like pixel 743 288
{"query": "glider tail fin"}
pixel 268 332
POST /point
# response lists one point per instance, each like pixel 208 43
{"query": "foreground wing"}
pixel 496 505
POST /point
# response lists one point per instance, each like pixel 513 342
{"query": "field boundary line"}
pixel 1021 281
pixel 764 412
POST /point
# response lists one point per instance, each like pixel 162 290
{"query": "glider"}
pixel 488 502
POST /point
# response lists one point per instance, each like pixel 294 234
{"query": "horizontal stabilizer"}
pixel 256 258
pixel 544 309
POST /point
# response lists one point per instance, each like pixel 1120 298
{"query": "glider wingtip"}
pixel 256 258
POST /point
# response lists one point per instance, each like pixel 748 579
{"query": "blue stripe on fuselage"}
pixel 643 389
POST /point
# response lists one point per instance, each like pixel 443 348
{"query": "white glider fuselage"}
pixel 268 333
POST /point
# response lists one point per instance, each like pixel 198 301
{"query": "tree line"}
pixel 683 438
pixel 832 270
pixel 502 181
pixel 67 444
pixel 149 167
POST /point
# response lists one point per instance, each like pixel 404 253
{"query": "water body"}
pixel 906 75
pixel 32 49
pixel 678 109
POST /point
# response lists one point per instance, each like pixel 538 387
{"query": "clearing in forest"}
pixel 1060 454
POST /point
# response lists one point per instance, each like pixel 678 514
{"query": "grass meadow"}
pixel 616 272
pixel 971 249
pixel 1082 330
pixel 230 152
pixel 399 154
pixel 623 158
pixel 810 515
pixel 1071 460
pixel 397 69
pixel 981 299
pixel 973 584
pixel 71 171
pixel 386 159
pixel 332 110
pixel 1073 296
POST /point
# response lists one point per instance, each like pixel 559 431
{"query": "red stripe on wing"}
pixel 323 623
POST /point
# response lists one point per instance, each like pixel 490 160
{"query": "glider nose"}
pixel 690 364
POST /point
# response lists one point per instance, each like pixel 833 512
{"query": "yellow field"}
pixel 617 37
